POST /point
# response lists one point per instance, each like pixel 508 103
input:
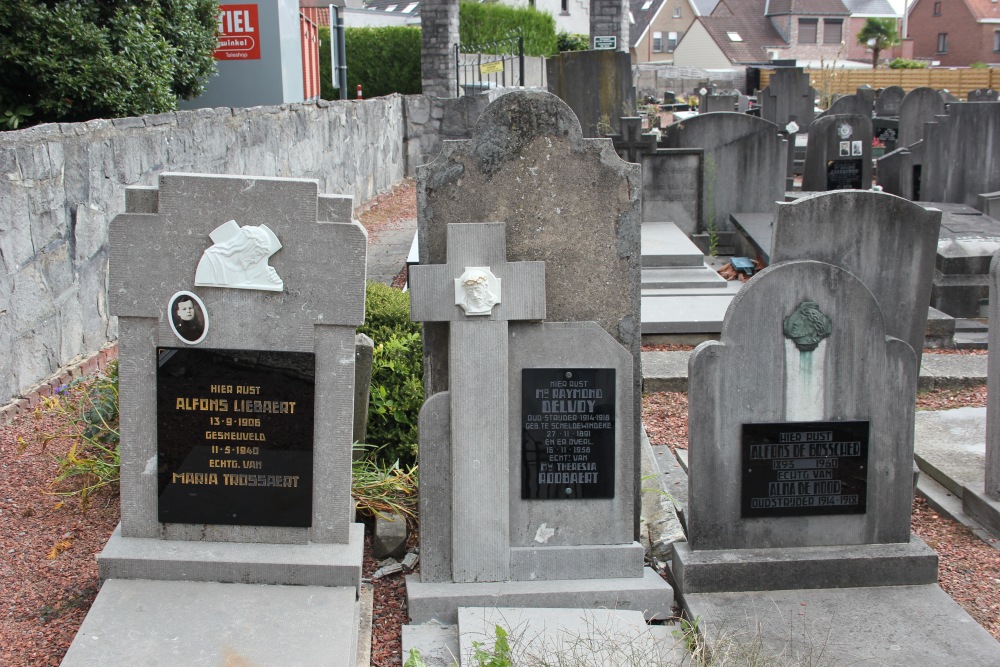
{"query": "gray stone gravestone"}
pixel 863 232
pixel 962 154
pixel 921 105
pixel 672 187
pixel 985 506
pixel 839 154
pixel 717 102
pixel 982 95
pixel 572 76
pixel 743 164
pixel 568 201
pixel 788 94
pixel 801 442
pixel 900 172
pixel 237 300
pixel 888 101
pixel 860 104
pixel 528 457
pixel 632 142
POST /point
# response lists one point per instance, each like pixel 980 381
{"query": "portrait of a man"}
pixel 238 258
pixel 188 318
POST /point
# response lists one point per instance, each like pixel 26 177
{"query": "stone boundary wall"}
pixel 61 184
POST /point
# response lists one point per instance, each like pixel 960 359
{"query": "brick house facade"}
pixel 956 33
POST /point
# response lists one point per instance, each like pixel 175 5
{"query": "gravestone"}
pixel 888 102
pixel 811 467
pixel 986 506
pixel 962 154
pixel 717 102
pixel 982 95
pixel 538 419
pixel 921 105
pixel 633 142
pixel 568 201
pixel 861 232
pixel 672 187
pixel 597 85
pixel 788 94
pixel 743 164
pixel 860 104
pixel 237 300
pixel 839 154
pixel 900 172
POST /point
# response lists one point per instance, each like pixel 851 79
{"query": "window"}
pixel 677 12
pixel 996 41
pixel 734 37
pixel 657 42
pixel 937 9
pixel 807 30
pixel 564 6
pixel 833 31
pixel 942 46
pixel 671 41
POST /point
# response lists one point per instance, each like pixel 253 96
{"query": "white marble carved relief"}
pixel 238 259
pixel 477 290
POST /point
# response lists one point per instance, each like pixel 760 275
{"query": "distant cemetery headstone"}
pixel 820 452
pixel 571 76
pixel 861 103
pixel 858 232
pixel 900 171
pixel 672 187
pixel 717 102
pixel 743 164
pixel 888 101
pixel 921 105
pixel 962 153
pixel 982 95
pixel 839 154
pixel 633 141
pixel 788 94
pixel 237 361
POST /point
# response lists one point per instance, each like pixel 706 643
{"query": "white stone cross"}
pixel 478 292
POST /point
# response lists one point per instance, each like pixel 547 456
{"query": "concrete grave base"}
pixel 581 637
pixel 439 602
pixel 706 571
pixel 916 626
pixel 234 562
pixel 168 623
pixel 983 509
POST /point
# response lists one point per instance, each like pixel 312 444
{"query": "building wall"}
pixel 788 26
pixel 965 45
pixel 664 22
pixel 698 49
pixel 575 19
pixel 862 53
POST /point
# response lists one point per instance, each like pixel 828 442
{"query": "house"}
pixel 955 32
pixel 736 33
pixel 657 26
pixel 812 29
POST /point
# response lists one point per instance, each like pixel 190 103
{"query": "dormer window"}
pixel 808 30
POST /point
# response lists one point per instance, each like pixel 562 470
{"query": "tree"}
pixel 73 60
pixel 878 35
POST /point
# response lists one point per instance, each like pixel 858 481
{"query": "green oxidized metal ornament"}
pixel 807 326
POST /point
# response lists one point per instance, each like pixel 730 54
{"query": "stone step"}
pixel 681 278
pixel 141 622
pixel 686 311
pixel 664 244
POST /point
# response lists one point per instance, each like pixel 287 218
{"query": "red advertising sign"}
pixel 239 33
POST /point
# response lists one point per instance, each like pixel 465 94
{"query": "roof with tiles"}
pixel 984 9
pixel 741 30
pixel 870 8
pixel 806 7
pixel 642 13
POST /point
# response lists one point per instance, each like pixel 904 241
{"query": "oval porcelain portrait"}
pixel 188 317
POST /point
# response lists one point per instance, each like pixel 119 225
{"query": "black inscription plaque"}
pixel 567 433
pixel 235 436
pixel 843 174
pixel 805 468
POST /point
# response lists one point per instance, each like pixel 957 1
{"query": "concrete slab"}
pixel 234 562
pixel 950 446
pixel 753 235
pixel 684 314
pixel 664 244
pixel 439 602
pixel 916 626
pixel 706 571
pixel 579 637
pixel 388 249
pixel 681 277
pixel 660 523
pixel 437 644
pixel 170 623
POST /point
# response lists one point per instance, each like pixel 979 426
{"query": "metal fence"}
pixel 498 64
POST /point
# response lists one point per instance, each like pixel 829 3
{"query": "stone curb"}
pixel 75 370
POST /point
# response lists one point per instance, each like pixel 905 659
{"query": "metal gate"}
pixel 479 67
